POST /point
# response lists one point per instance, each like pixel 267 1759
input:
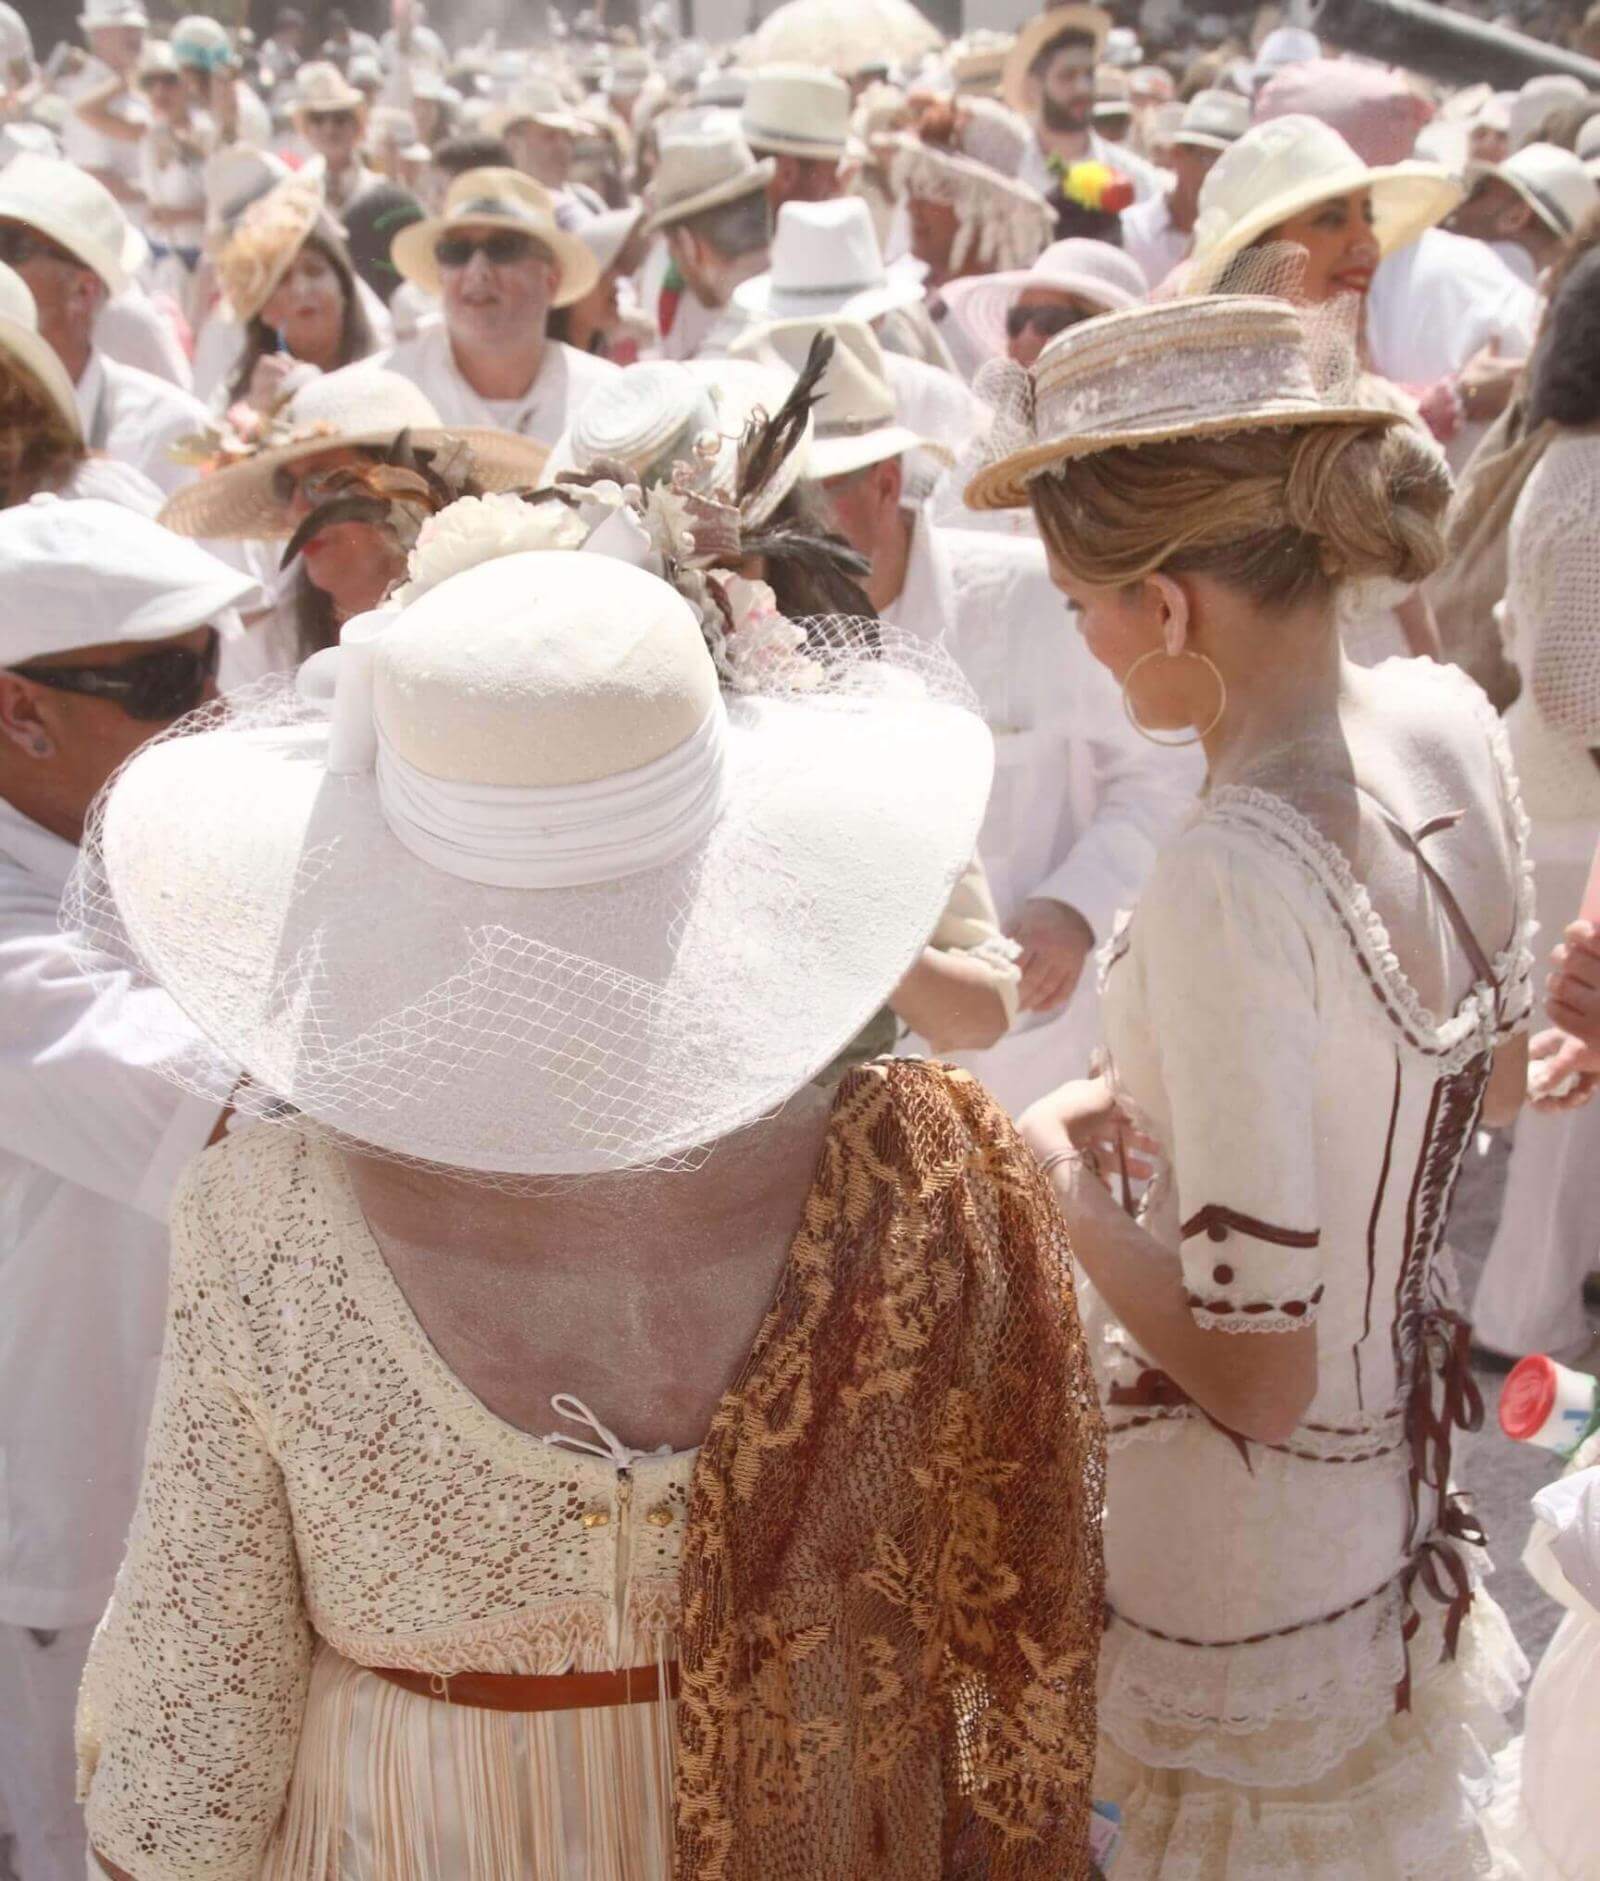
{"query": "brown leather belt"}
pixel 516 1691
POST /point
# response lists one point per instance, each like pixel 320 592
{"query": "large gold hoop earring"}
pixel 1195 738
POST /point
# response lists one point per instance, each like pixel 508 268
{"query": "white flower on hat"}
pixel 762 650
pixel 481 529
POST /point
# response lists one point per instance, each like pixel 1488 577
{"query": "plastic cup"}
pixel 1546 1404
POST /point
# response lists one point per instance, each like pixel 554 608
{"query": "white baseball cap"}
pixel 91 573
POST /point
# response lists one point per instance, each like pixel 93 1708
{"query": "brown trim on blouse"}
pixel 1372 1229
pixel 1215 1219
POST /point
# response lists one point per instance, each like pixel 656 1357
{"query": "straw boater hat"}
pixel 1554 183
pixel 856 420
pixel 1290 164
pixel 1180 369
pixel 796 111
pixel 75 212
pixel 1095 272
pixel 497 199
pixel 538 897
pixel 978 61
pixel 21 343
pixel 1038 36
pixel 262 245
pixel 357 405
pixel 535 101
pixel 704 162
pixel 321 86
pixel 826 261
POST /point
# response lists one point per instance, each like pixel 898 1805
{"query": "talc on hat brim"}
pixel 412 250
pixel 1032 39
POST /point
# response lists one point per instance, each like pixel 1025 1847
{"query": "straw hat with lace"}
pixel 1181 369
pixel 1056 22
pixel 497 199
pixel 1290 164
pixel 262 245
pixel 358 405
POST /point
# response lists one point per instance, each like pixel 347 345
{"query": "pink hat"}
pixel 1375 111
pixel 1095 272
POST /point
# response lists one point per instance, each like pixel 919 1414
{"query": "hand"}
pixel 1055 942
pixel 1486 381
pixel 1563 1072
pixel 273 379
pixel 1572 995
pixel 1087 1119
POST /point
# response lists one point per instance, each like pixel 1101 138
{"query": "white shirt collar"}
pixel 926 604
pixel 34 848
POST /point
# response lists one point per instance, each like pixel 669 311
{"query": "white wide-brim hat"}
pixel 79 214
pixel 359 405
pixel 1178 369
pixel 1090 271
pixel 498 199
pixel 1289 164
pixel 20 339
pixel 315 921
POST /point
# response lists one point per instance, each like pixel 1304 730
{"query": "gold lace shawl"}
pixel 892 1573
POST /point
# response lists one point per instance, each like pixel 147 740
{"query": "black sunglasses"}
pixel 1046 321
pixel 500 248
pixel 157 686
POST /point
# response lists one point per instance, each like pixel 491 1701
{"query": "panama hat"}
pixel 796 111
pixel 321 86
pixel 1038 35
pixel 20 340
pixel 538 898
pixel 1179 369
pixel 1089 271
pixel 1554 183
pixel 357 405
pixel 856 419
pixel 1212 120
pixel 826 261
pixel 704 162
pixel 1289 164
pixel 497 199
pixel 67 205
pixel 535 101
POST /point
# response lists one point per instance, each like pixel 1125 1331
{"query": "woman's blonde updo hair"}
pixel 1282 514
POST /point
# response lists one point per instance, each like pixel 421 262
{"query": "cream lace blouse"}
pixel 316 1473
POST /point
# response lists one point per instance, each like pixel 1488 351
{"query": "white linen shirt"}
pixel 1080 802
pixel 564 380
pixel 1149 238
pixel 92 1139
pixel 135 418
pixel 1146 179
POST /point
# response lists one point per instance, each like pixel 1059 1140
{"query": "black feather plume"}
pixel 767 442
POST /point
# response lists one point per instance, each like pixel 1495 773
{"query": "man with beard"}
pixel 1049 78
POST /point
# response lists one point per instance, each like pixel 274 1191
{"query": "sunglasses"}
pixel 500 249
pixel 157 686
pixel 331 120
pixel 1045 321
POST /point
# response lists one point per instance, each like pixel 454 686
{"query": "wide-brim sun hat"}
pixel 537 898
pixel 359 405
pixel 1290 164
pixel 77 213
pixel 497 199
pixel 1105 277
pixel 1054 23
pixel 22 343
pixel 1179 369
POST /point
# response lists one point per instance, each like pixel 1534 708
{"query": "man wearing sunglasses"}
pixel 108 632
pixel 331 115
pixel 499 262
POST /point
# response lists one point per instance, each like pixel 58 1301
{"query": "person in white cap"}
pixel 799 116
pixel 114 31
pixel 1527 208
pixel 70 241
pixel 708 198
pixel 1080 803
pixel 108 631
pixel 1049 78
pixel 499 262
pixel 1159 231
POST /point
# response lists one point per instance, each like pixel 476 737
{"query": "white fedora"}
pixel 1212 120
pixel 535 101
pixel 20 341
pixel 1288 164
pixel 796 111
pixel 357 405
pixel 1103 277
pixel 321 86
pixel 539 898
pixel 856 419
pixel 704 162
pixel 1554 183
pixel 75 212
pixel 500 199
pixel 826 260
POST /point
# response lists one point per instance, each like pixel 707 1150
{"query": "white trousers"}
pixel 39 1676
pixel 1530 1298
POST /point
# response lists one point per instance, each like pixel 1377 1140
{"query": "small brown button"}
pixel 1217 1230
pixel 596 1518
pixel 1222 1275
pixel 660 1516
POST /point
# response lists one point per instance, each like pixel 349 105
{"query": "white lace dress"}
pixel 323 1495
pixel 1278 1695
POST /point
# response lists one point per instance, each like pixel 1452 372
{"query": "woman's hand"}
pixel 1086 1120
pixel 1572 997
pixel 1563 1071
pixel 274 378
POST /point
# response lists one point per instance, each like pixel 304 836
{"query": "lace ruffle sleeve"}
pixel 1230 984
pixel 191 1704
